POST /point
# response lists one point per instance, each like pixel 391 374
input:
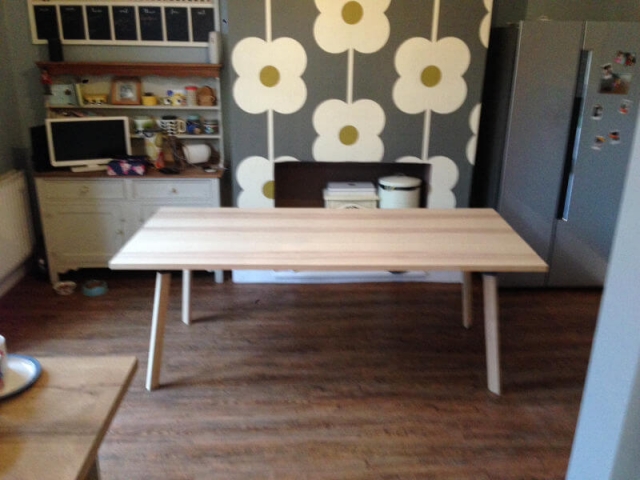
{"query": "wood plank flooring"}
pixel 370 381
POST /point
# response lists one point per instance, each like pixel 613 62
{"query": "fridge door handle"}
pixel 573 146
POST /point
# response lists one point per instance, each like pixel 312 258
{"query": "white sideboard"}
pixel 87 218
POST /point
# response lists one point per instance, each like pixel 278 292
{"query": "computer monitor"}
pixel 87 143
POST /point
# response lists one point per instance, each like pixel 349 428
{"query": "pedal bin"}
pixel 399 191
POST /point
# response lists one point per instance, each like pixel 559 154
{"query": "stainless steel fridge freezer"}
pixel 559 110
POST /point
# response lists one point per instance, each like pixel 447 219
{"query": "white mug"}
pixel 172 125
pixel 195 153
pixel 3 358
pixel 142 123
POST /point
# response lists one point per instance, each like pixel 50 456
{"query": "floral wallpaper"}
pixel 360 81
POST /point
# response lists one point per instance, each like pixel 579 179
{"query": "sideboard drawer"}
pixel 80 189
pixel 175 189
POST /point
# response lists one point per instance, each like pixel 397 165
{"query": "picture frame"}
pixel 126 91
pixel 63 95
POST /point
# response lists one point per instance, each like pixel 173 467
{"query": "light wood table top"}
pixel 473 240
pixel 54 429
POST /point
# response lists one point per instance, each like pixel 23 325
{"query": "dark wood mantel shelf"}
pixel 131 69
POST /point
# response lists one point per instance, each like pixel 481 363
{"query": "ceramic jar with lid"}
pixel 192 95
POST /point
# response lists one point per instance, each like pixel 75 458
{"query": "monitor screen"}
pixel 87 143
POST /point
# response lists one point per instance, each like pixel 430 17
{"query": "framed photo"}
pixel 63 95
pixel 126 91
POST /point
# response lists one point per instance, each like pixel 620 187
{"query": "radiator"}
pixel 16 230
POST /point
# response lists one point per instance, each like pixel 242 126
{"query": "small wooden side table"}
pixel 54 429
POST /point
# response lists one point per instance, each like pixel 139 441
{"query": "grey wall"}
pixel 620 10
pixel 10 124
pixel 5 81
pixel 506 12
pixel 607 441
pixel 512 11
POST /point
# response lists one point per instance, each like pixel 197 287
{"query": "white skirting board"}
pixel 294 277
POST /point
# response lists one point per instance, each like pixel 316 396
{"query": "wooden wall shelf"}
pixel 129 69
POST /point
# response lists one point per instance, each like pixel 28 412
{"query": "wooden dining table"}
pixel 54 429
pixel 319 239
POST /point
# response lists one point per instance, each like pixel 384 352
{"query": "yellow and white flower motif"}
pixel 485 25
pixel 255 177
pixel 474 125
pixel 269 75
pixel 348 132
pixel 443 178
pixel 431 75
pixel 349 24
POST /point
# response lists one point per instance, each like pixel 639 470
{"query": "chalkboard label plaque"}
pixel 124 23
pixel 202 22
pixel 177 24
pixel 46 20
pixel 150 23
pixel 72 22
pixel 99 21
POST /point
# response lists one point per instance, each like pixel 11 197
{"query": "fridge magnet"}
pixel 627 59
pixel 597 112
pixel 614 135
pixel 46 81
pixel 611 82
pixel 608 79
pixel 623 84
pixel 598 143
pixel 630 60
pixel 625 106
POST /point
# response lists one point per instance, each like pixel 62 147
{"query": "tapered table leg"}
pixel 492 331
pixel 219 276
pixel 186 296
pixel 160 305
pixel 94 473
pixel 467 300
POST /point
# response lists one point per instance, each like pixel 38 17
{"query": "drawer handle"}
pixel 174 190
pixel 84 189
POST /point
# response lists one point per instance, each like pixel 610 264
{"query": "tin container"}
pixel 192 95
pixel 399 191
pixel 211 126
